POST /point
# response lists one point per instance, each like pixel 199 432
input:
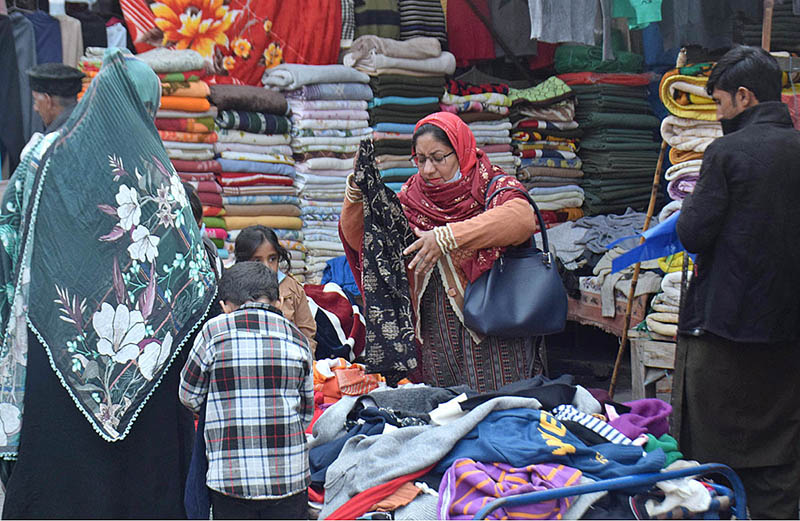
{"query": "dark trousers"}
pixel 228 507
pixel 772 492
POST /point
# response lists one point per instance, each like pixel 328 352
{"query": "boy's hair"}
pixel 194 202
pixel 248 281
pixel 750 67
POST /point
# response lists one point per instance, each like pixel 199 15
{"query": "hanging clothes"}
pixel 117 35
pixel 11 131
pixel 469 39
pixel 93 26
pixel 48 37
pixel 377 17
pixel 71 39
pixel 513 24
pixel 25 41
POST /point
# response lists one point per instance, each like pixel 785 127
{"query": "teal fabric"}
pixel 402 100
pixel 101 257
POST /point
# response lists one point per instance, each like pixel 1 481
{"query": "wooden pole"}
pixel 766 24
pixel 637 268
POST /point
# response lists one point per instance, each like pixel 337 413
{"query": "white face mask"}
pixel 281 276
pixel 455 177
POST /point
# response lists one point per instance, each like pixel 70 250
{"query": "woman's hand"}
pixel 428 251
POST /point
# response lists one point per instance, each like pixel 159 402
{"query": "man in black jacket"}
pixel 738 365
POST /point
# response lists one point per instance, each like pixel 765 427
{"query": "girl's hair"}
pixel 430 128
pixel 252 237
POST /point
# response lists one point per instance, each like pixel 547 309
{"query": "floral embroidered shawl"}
pixel 101 257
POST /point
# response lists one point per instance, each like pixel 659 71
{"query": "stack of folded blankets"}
pixel 257 170
pixel 89 64
pixel 618 148
pixel 690 127
pixel 785 34
pixel 203 176
pixel 408 79
pixel 329 117
pixel 546 137
pixel 184 101
pixel 485 108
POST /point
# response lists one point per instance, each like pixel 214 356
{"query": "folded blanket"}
pixel 679 94
pixel 193 75
pixel 192 155
pixel 490 98
pixel 369 45
pixel 496 149
pixel 217 233
pixel 305 141
pixel 169 114
pixel 551 153
pixel 246 198
pixel 687 167
pixel 290 76
pixel 255 122
pixel 187 137
pixel 544 194
pixel 241 222
pixel 689 134
pixel 261 158
pixel 473 106
pixel 297 105
pixel 304 149
pixel 325 163
pixel 562 111
pixel 377 136
pixel 214 222
pixel 553 162
pixel 402 100
pixel 245 97
pixel 329 123
pixel 198 125
pixel 530 172
pixel 209 186
pixel 618 120
pixel 550 91
pixel 184 104
pixel 682 186
pixel 181 145
pixel 240 210
pixel 679 156
pixel 227 179
pixel 164 60
pixel 546 125
pixel 285 150
pixel 248 138
pixel 185 89
pixel 490 133
pixel 196 166
pixel 232 165
pixel 213 211
pixel 210 199
pixel 331 91
pixel 197 177
pixel 329 114
pixel 443 64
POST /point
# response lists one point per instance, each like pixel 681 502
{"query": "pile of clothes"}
pixel 421 452
pixel 485 109
pixel 184 100
pixel 257 169
pixel 407 78
pixel 329 119
pixel 547 138
pixel 618 148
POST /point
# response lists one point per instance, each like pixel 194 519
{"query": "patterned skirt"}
pixel 450 355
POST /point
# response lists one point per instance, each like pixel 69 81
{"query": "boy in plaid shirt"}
pixel 254 368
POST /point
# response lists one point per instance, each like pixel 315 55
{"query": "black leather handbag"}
pixel 522 294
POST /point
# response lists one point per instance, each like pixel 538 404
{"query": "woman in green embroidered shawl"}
pixel 104 279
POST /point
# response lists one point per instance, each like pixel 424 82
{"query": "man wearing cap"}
pixel 55 89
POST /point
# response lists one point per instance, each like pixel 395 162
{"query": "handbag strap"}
pixel 542 227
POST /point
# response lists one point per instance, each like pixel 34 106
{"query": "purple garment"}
pixel 468 486
pixel 647 416
pixel 682 186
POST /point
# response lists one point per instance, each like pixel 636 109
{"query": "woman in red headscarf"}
pixel 444 203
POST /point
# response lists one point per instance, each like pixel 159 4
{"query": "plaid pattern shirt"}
pixel 255 369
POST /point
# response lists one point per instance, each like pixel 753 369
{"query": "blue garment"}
pixel 196 499
pixel 321 456
pixel 48 37
pixel 400 128
pixel 258 167
pixel 660 241
pixel 523 437
pixel 400 100
pixel 400 171
pixel 338 270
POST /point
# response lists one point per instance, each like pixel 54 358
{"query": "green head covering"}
pixel 105 254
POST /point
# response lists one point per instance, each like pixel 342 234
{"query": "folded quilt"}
pixel 368 45
pixel 332 132
pixel 490 133
pixel 546 125
pixel 262 158
pixel 192 155
pixel 285 150
pixel 562 111
pixel 197 177
pixel 492 140
pixel 304 149
pixel 198 125
pixel 192 75
pixel 185 89
pixel 681 93
pixel 248 98
pixel 184 104
pixel 503 124
pixel 209 186
pixel 687 167
pixel 214 222
pixel 241 222
pixel 305 156
pixel 548 153
pixel 331 91
pixel 163 60
pixel 496 149
pixel 329 123
pixel 398 172
pixel 550 91
pixel 210 199
pixel 187 137
pixel 196 166
pixel 326 163
pixel 490 98
pixel 443 64
pixel 255 122
pixel 170 114
pixel 300 106
pixel 341 174
pixel 240 210
pixel 252 179
pixel 180 145
pixel 255 199
pixel 329 114
pixel 335 141
pixel 682 186
pixel 249 138
pixel 547 145
pixel 232 165
pixel 290 76
pixel 689 134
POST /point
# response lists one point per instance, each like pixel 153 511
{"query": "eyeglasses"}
pixel 437 159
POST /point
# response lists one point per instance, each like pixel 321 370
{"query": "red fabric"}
pixel 210 186
pixel 468 39
pixel 139 19
pixel 317 413
pixel 185 165
pixel 247 179
pixel 590 78
pixel 197 176
pixel 213 211
pixel 428 206
pixel 496 149
pixel 217 233
pixel 362 502
pixel 545 56
pixel 210 199
pixel 349 316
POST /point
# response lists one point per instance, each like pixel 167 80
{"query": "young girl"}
pixel 259 243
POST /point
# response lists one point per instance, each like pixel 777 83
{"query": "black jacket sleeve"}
pixel 703 211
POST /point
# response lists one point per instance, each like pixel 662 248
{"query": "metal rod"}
pixel 636 269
